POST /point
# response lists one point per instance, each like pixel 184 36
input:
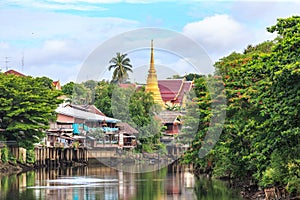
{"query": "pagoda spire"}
pixel 152 83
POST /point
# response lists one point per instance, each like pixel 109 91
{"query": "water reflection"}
pixel 104 183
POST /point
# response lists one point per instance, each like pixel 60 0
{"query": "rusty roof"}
pixel 11 71
pixel 125 127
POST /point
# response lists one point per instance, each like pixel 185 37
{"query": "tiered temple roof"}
pixel 173 90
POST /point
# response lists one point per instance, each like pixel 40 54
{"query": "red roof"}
pixel 11 71
pixel 127 85
pixel 174 89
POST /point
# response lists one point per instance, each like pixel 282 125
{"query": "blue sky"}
pixel 55 37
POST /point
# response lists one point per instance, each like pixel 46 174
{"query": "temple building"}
pixel 166 92
pixel 152 83
pixel 170 93
pixel 174 91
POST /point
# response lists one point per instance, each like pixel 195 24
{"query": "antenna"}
pixel 6 61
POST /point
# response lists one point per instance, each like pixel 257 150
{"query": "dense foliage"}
pixel 261 135
pixel 27 105
pixel 137 108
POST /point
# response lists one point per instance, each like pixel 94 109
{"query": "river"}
pixel 105 183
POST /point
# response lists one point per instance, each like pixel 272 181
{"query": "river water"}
pixel 104 183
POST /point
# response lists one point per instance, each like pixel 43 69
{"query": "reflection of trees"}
pixel 152 186
pixel 166 183
pixel 10 184
pixel 213 189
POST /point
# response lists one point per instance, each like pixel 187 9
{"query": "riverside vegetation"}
pixel 260 141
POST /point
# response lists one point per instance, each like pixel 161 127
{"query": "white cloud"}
pixel 78 7
pixel 246 24
pixel 53 42
pixel 56 5
pixel 218 34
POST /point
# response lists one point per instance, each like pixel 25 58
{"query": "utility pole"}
pixel 6 61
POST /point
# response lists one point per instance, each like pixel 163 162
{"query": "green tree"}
pixel 103 94
pixel 68 88
pixel 121 65
pixel 27 107
pixel 261 135
pixel 192 76
pixel 91 86
pixel 78 93
pixel 136 107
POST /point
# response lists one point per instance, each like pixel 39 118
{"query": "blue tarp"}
pixel 108 129
pixel 75 128
pixel 86 128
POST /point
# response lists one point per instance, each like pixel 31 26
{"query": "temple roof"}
pixel 127 85
pixel 174 89
pixel 57 85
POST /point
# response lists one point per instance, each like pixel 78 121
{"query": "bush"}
pixel 11 157
pixel 147 148
pixel 293 186
pixel 30 156
pixel 161 148
pixel 4 154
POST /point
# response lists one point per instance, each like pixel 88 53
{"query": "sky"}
pixel 60 38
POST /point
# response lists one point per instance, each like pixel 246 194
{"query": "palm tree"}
pixel 121 66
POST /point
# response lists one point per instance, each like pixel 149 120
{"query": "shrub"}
pixel 30 156
pixel 4 154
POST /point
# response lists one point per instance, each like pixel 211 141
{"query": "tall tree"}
pixel 68 88
pixel 260 139
pixel 121 65
pixel 103 94
pixel 80 93
pixel 27 105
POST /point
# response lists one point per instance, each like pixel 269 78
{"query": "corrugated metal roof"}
pixel 69 111
pixel 167 116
